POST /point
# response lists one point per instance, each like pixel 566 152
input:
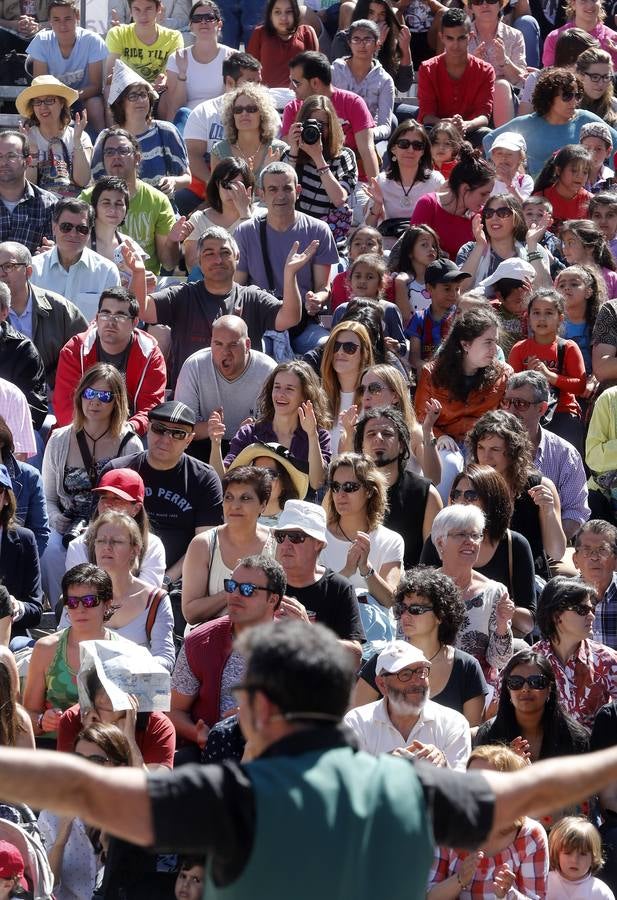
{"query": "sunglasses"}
pixel 347 347
pixel 203 17
pixel 581 609
pixel 535 682
pixel 405 144
pixel 517 403
pixel 373 388
pixel 502 212
pixel 67 227
pixel 414 609
pixel 251 108
pixel 92 394
pixel 348 487
pixel 88 602
pixel 598 79
pixel 245 588
pixel 482 2
pixel 295 537
pixel 95 758
pixel 176 433
pixel 469 496
pixel 566 96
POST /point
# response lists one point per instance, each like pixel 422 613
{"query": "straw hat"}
pixel 122 77
pixel 296 469
pixel 44 86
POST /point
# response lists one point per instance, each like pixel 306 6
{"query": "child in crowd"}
pixel 509 154
pixel 12 872
pixel 603 213
pixel 190 880
pixel 446 142
pixel 575 855
pixel 561 362
pixel 583 290
pixel 596 138
pixel 536 208
pixel 583 242
pixel 417 249
pixel 429 327
pixel 562 181
pixel 510 287
pixel 365 239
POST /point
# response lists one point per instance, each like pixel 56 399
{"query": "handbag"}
pixel 339 222
pixel 394 227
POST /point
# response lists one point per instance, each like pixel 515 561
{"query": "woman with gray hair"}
pixel 486 631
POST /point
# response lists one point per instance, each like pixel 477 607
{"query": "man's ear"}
pixel 543 407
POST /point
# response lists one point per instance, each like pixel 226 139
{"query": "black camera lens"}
pixel 311 131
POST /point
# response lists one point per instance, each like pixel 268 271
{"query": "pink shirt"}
pixel 16 413
pixel 453 231
pixel 601 33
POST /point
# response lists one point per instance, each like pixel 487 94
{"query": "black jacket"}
pixel 20 573
pixel 21 364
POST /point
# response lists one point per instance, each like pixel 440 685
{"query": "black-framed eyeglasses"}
pixel 245 588
pixel 68 227
pixel 8 267
pixel 469 496
pixel 535 682
pixel 502 212
pixel 295 537
pixel 96 758
pixel 597 78
pixel 196 18
pixel 566 96
pixel 417 674
pixel 348 487
pixel 518 403
pixel 356 39
pixel 405 144
pixel 118 151
pixel 414 609
pixel 348 347
pixel 134 96
pixel 44 101
pixel 176 433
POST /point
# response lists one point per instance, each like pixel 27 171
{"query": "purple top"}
pixel 263 431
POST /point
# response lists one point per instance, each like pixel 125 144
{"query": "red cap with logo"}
pixel 12 863
pixel 124 483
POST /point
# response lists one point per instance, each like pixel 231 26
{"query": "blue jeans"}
pixel 309 338
pixel 530 30
pixel 239 20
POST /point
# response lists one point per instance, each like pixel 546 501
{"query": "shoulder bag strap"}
pixel 263 237
pixel 212 542
pixel 154 601
pixel 86 457
pixel 510 585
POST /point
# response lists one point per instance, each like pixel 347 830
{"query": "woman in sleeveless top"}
pixel 51 685
pixel 213 555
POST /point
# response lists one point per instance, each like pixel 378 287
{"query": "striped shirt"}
pixel 163 152
pixel 605 622
pixel 314 200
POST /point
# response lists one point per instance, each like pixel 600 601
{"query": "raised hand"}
pixel 134 261
pixel 306 416
pixel 432 411
pixel 477 227
pixel 296 261
pixel 242 199
pixel 504 611
pixel 503 881
pixel 114 19
pixel 181 230
pixel 542 496
pixel 216 426
pixel 182 62
pixel 520 746
pixel 81 122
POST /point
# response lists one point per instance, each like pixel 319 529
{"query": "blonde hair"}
pixel 395 381
pixel 370 478
pixel 115 383
pixel 329 378
pixel 575 833
pixel 115 517
pixel 502 759
pixel 268 116
pixel 570 10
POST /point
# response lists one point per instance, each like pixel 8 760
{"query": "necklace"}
pixel 405 201
pixel 249 157
pixel 431 658
pixel 95 440
pixel 340 528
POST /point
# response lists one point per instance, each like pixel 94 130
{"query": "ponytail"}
pixel 471 169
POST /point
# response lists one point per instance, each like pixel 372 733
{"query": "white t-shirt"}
pixel 205 124
pixel 204 81
pixel 387 546
pixel 397 205
pixel 588 888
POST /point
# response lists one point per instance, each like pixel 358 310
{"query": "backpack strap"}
pixel 154 601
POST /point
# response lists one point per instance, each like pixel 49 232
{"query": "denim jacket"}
pixel 30 497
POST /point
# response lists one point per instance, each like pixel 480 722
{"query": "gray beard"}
pixel 402 706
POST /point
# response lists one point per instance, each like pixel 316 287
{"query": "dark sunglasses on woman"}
pixel 347 347
pixel 88 602
pixel 468 496
pixel 348 487
pixel 92 394
pixel 502 212
pixel 405 144
pixel 535 682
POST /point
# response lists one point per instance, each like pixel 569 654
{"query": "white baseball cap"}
pixel 514 268
pixel 303 516
pixel 398 655
pixel 509 140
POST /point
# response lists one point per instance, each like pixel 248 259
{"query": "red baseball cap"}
pixel 124 483
pixel 12 863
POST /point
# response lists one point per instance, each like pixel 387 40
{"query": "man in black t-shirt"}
pixel 314 593
pixel 183 495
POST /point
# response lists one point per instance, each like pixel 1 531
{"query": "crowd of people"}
pixel 308 315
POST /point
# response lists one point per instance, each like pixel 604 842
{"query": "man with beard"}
pixel 383 435
pixel 405 718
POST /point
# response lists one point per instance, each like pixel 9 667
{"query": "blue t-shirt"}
pixel 89 48
pixel 430 332
pixel 580 333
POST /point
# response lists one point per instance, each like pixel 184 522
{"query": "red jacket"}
pixel 207 650
pixel 146 375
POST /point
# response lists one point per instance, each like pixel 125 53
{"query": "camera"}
pixel 77 527
pixel 311 131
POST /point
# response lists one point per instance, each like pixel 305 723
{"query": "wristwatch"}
pixel 370 571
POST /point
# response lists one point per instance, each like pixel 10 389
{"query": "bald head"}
pixel 231 323
pixel 230 346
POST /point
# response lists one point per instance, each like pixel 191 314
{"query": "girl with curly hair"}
pixel 251 124
pixel 430 612
pixel 500 441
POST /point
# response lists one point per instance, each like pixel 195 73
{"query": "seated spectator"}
pixel 562 181
pixel 290 405
pixel 74 458
pixel 229 202
pixel 190 309
pixel 509 155
pixel 410 175
pixel 486 632
pixel 405 717
pixel 526 397
pixel 584 243
pixel 326 169
pixel 596 138
pixel 18 28
pixel 316 592
pixel 16 412
pixel 48 319
pixel 21 363
pixel 174 14
pixel 446 141
pixel 183 495
pixel 15 725
pixel 603 735
pixel 164 161
pixel 455 84
pixel 382 434
pixel 60 152
pixel 208 667
pixel 539 211
pixel 74 55
pixel 588 16
pixel 500 441
pixel 603 213
pixel 575 849
pixel 513 860
pixel 595 557
pixel 585 671
pixel 70 268
pixel 27 485
pixel 501 233
pixel 429 327
pixel 113 335
pixel 430 612
pixel 226 379
pixel 51 683
pixel 449 210
pixel 250 122
pixel 212 556
pixel 110 202
pixel 26 209
pixel 20 592
pixel 556 119
pixel 604 344
pixel 289 476
pixel 310 74
pixel 595 68
pixel 510 287
pixel 144 45
pixel 411 255
pixel 191 877
pixel 346 354
pixel 280 39
pixel 584 291
pixel 505 555
pixel 150 219
pixel 362 74
pixel 122 490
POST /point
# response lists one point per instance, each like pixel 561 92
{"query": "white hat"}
pixel 398 655
pixel 515 268
pixel 124 77
pixel 303 516
pixel 509 140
